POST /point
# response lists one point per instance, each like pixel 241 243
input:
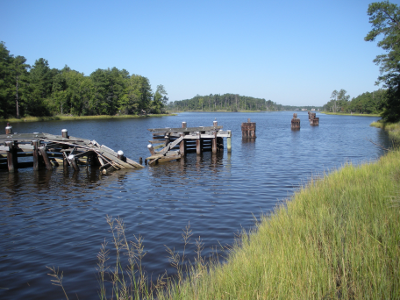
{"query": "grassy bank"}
pixel 69 118
pixel 336 238
pixel 393 129
pixel 350 114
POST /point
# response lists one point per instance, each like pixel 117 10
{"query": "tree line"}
pixel 225 102
pixel 366 103
pixel 385 20
pixel 39 90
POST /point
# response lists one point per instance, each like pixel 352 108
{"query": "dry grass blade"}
pixel 58 279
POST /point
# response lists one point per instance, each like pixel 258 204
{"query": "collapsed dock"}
pixel 176 142
pixel 48 151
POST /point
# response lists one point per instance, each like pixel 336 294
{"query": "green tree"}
pixel 385 20
pixel 20 74
pixel 6 82
pixel 160 99
pixel 39 87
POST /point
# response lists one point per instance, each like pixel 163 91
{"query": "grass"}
pixel 70 117
pixel 336 238
pixel 393 129
pixel 350 114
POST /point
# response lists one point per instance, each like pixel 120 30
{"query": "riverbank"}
pixel 70 117
pixel 337 238
pixel 393 129
pixel 349 114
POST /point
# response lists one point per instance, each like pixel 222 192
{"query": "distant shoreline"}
pixel 72 118
pixel 349 114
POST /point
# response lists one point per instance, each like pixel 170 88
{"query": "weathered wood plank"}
pixel 189 129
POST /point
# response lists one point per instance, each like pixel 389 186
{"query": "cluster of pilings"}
pixel 176 142
pixel 48 151
pixel 314 121
pixel 249 130
pixel 295 124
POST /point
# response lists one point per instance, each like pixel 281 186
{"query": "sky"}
pixel 291 52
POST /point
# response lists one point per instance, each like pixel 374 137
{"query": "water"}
pixel 49 218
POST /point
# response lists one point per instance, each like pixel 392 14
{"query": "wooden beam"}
pixel 189 129
pixel 43 152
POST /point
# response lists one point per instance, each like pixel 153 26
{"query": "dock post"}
pixel 214 143
pixel 229 141
pixel 72 160
pixel 12 158
pixel 36 161
pixel 43 152
pixel 120 155
pixel 8 129
pixel 199 146
pixel 151 149
pixel 182 145
pixel 64 133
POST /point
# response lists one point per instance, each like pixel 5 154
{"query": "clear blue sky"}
pixel 291 52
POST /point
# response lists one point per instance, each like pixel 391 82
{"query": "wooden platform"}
pixel 176 142
pixel 50 150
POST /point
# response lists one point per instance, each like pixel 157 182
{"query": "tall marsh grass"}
pixel 336 238
pixel 393 129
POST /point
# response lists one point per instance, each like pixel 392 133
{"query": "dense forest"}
pixel 366 103
pixel 39 90
pixel 229 102
pixel 226 102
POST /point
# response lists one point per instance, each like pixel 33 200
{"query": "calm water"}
pixel 49 218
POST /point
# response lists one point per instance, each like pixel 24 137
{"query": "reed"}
pixel 336 238
pixel 393 129
pixel 350 114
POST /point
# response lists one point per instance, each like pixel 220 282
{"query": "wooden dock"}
pixel 176 142
pixel 50 150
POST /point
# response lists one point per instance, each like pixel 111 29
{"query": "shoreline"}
pixel 78 118
pixel 347 114
pixel 337 237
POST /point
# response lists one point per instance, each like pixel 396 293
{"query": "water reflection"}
pixel 58 217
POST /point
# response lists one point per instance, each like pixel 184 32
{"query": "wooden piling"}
pixel 36 157
pixel 229 141
pixel 8 129
pixel 214 143
pixel 199 145
pixel 314 121
pixel 43 153
pixel 12 158
pixel 64 133
pixel 249 130
pixel 151 149
pixel 72 160
pixel 295 123
pixel 121 155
